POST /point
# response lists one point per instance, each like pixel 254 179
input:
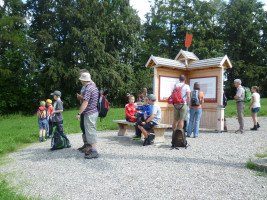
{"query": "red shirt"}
pixel 50 109
pixel 130 110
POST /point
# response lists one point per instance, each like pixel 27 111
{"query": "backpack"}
pixel 102 106
pixel 195 98
pixel 42 114
pixel 179 139
pixel 176 96
pixel 248 95
pixel 58 142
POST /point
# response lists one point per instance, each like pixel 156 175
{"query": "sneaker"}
pixel 91 155
pixel 151 138
pixel 136 137
pixel 258 125
pixel 145 142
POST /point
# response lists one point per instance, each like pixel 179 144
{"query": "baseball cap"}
pixel 152 97
pixel 48 101
pixel 57 93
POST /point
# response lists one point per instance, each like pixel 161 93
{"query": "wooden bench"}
pixel 158 130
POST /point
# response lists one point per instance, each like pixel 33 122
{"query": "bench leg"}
pixel 159 135
pixel 122 130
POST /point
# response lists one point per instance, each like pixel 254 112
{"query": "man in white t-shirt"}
pixel 180 110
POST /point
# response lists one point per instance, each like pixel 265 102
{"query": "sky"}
pixel 143 6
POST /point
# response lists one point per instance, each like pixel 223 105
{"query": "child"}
pixel 130 110
pixel 49 118
pixel 57 117
pixel 146 111
pixel 255 107
pixel 147 125
pixel 42 120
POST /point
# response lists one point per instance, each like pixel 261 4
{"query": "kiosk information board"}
pixel 208 86
pixel 166 86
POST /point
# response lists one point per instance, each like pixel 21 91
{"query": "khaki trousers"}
pixel 240 114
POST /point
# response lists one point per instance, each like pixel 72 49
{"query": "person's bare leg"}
pixel 174 124
pixel 181 124
pixel 144 132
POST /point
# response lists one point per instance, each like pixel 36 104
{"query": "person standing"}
pixel 224 105
pixel 195 111
pixel 240 105
pixel 180 110
pixel 89 109
pixel 57 117
pixel 255 107
pixel 86 147
pixel 141 97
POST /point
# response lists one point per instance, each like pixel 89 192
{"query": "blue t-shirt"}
pixel 147 109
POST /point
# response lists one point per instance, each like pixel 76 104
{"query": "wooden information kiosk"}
pixel 209 73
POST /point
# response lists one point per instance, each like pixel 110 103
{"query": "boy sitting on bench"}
pixel 154 119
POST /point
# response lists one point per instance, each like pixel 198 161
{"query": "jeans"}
pixel 195 114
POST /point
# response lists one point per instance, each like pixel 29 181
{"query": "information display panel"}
pixel 166 86
pixel 208 85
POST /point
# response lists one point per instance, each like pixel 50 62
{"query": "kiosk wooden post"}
pixel 209 73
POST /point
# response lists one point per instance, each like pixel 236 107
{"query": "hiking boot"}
pixel 85 143
pixel 255 128
pixel 258 125
pixel 87 148
pixel 151 138
pixel 136 137
pixel 91 155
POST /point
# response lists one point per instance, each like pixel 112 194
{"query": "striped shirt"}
pixel 91 95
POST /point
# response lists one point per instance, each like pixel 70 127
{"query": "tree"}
pixel 244 23
pixel 101 36
pixel 16 71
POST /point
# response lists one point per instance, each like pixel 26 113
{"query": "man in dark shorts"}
pixel 154 119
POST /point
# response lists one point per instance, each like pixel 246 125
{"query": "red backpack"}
pixel 176 96
pixel 102 106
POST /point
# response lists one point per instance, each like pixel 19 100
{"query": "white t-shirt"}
pixel 256 96
pixel 157 112
pixel 185 89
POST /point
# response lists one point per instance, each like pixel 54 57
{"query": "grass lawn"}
pixel 17 131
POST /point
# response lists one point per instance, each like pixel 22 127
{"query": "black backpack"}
pixel 102 106
pixel 179 139
pixel 195 98
pixel 58 142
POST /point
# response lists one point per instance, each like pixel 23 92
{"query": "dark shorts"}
pixel 149 126
pixel 255 110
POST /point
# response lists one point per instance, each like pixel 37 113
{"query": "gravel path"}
pixel 213 167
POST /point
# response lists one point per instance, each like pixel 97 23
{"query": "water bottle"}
pixel 145 116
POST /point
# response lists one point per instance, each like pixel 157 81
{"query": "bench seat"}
pixel 158 130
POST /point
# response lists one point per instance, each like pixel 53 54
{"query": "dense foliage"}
pixel 44 43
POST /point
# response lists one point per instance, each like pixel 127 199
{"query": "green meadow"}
pixel 16 131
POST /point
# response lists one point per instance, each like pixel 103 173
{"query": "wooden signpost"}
pixel 210 75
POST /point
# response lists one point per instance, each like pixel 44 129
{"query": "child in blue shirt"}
pixel 145 111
